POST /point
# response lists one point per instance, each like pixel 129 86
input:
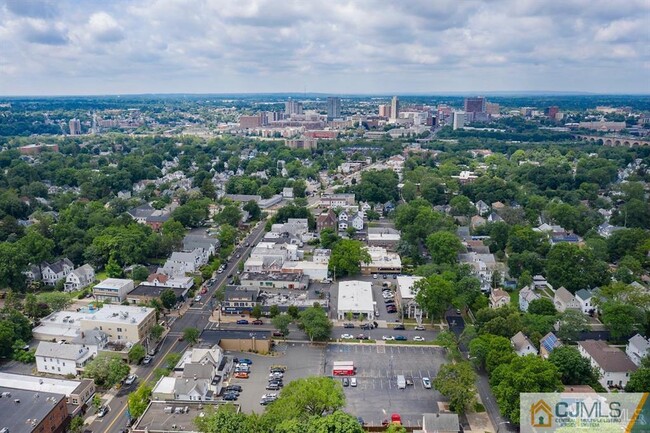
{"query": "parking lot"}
pixel 376 396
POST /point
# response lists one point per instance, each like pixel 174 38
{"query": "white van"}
pixel 401 382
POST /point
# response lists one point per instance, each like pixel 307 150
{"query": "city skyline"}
pixel 343 48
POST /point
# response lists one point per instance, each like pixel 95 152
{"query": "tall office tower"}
pixel 292 107
pixel 333 107
pixel 384 110
pixel 475 105
pixel 492 108
pixel 394 108
pixel 458 119
pixel 552 111
pixel 75 126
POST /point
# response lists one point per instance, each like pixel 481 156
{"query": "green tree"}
pixel 461 205
pixel 226 419
pixel 575 268
pixel 168 298
pixel 434 294
pixel 57 301
pixel 328 238
pixel 293 312
pixel 172 359
pixel 37 247
pixel 395 428
pixel 97 401
pixel 231 215
pixel 490 351
pixel 227 235
pixel 253 210
pixel 139 273
pixel 523 374
pixel 456 382
pixel 274 311
pixel 76 424
pixel 256 312
pixel 574 368
pixel 191 335
pixel 444 247
pixel 542 306
pixel 106 369
pixel 409 191
pixel 315 323
pixel 299 188
pixel 156 332
pixel 347 256
pixel 139 399
pixel 622 319
pixel 113 269
pixel 305 398
pixel 281 322
pixel 137 353
pixel 640 379
pixel 337 422
pixel 571 324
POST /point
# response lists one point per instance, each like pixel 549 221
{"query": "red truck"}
pixel 343 368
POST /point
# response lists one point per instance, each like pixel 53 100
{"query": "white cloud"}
pixel 334 45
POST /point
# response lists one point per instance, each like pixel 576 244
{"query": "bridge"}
pixel 613 140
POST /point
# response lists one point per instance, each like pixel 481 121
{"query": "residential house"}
pixel 202 242
pixel 637 348
pixel 613 364
pixel 494 218
pixel 439 423
pixel 497 205
pixel 548 343
pixel 181 263
pixel 563 300
pixel 326 220
pixel 79 278
pixel 606 229
pixel 355 221
pixel 51 273
pixel 585 298
pixel 176 281
pixel 477 221
pixel 499 298
pixel 482 208
pixel 63 359
pixel 344 221
pixel 522 345
pixel 146 214
pixel 526 296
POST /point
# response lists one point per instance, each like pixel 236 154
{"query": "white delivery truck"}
pixel 401 382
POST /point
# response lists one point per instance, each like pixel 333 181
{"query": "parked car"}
pixel 346 381
pixel 353 381
pixel 147 359
pixel 400 338
pixel 348 325
pixel 362 337
pixel 347 336
pixel 375 276
pixel 237 388
pixel 409 381
pixel 197 298
pixel 418 338
pixel 387 338
pixel 278 368
pixel 130 379
pixel 242 322
pixel 276 375
pixel 102 411
pixel 278 334
pixel 426 382
pixel 384 276
pixel 365 326
pixel 246 361
pixel 399 327
pixel 257 322
pixel 391 309
pixel 230 397
pixel 419 328
pixel 241 375
pixel 272 386
pixel 277 382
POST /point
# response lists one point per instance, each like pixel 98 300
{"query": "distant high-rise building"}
pixel 292 107
pixel 458 119
pixel 333 107
pixel 492 108
pixel 394 108
pixel 75 127
pixel 384 110
pixel 552 111
pixel 475 105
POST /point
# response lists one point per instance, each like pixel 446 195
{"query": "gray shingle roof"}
pixel 61 351
pixel 607 357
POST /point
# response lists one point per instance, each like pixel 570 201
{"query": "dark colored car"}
pixel 385 276
pixel 391 309
pixel 278 334
pixel 348 325
pixel 257 322
pixel 362 337
pixel 230 397
pixel 400 338
pixel 399 327
pixel 246 361
pixel 346 381
pixel 366 326
pixel 242 322
pixel 236 388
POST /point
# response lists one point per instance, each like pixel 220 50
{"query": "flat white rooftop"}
pixel 41 384
pixel 113 283
pixel 165 385
pixel 355 296
pixel 120 314
pixel 405 284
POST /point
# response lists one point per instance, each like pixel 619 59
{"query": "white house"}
pixel 356 221
pixel 180 263
pixel 499 298
pixel 51 273
pixel 585 298
pixel 526 296
pixel 637 348
pixel 564 300
pixel 80 278
pixel 613 364
pixel 176 281
pixel 206 245
pixel 522 345
pixel 64 359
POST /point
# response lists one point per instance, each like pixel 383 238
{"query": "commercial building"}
pixel 113 290
pixel 405 296
pixel 75 126
pixel 120 323
pixel 337 200
pixel 265 281
pixel 238 300
pixel 355 297
pixel 475 105
pixel 250 122
pixel 162 416
pixel 383 237
pixel 394 108
pixel 145 293
pixel 77 392
pixel 30 411
pixel 381 262
pixel 458 119
pixel 63 359
pixel 301 143
pixel 384 110
pixel 333 107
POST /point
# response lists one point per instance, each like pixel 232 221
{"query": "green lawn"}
pixel 514 298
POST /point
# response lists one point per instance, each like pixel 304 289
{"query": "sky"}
pixel 93 47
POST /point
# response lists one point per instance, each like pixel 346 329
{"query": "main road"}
pixel 117 416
